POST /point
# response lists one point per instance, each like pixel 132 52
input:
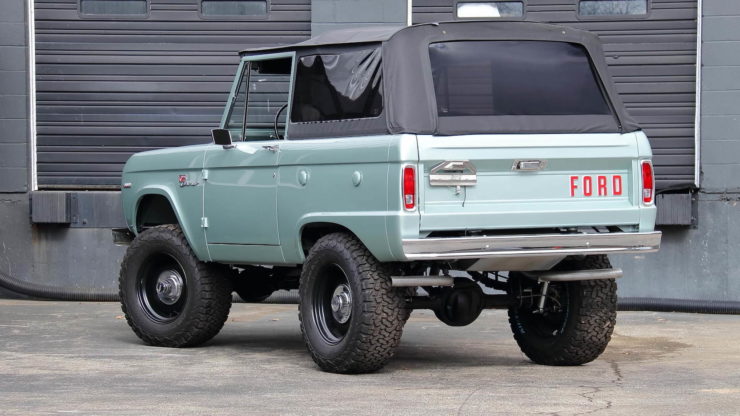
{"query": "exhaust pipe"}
pixel 413 281
pixel 574 276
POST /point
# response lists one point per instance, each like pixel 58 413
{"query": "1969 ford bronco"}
pixel 452 166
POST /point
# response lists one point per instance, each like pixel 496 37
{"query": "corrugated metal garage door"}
pixel 111 86
pixel 653 61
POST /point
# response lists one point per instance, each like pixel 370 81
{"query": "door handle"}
pixel 453 173
pixel 272 148
pixel 528 165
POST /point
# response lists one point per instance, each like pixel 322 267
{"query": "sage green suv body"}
pixel 251 205
pixel 408 145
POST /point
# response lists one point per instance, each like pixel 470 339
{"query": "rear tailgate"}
pixel 528 181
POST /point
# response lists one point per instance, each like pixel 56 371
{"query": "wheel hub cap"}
pixel 341 303
pixel 169 287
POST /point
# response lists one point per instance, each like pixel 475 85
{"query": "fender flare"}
pixel 200 250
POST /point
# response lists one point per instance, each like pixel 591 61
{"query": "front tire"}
pixel 169 297
pixel 578 319
pixel 351 318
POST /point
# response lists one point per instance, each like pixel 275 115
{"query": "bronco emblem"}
pixel 183 181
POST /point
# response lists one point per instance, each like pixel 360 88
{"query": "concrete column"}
pixel 16 257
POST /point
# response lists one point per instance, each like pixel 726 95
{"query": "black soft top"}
pixel 372 34
pixel 409 98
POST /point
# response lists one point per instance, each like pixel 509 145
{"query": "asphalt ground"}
pixel 81 358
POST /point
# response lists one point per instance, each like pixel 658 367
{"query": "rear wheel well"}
pixel 154 210
pixel 311 233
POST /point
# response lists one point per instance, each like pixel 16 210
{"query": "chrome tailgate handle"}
pixel 453 173
pixel 528 165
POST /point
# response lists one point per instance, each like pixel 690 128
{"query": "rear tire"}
pixel 351 318
pixel 575 333
pixel 169 297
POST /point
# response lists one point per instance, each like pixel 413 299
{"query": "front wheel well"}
pixel 154 210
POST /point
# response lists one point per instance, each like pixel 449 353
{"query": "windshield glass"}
pixel 514 78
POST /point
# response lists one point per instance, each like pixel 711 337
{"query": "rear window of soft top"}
pixel 502 78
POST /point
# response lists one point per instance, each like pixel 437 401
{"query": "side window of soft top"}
pixel 262 95
pixel 338 86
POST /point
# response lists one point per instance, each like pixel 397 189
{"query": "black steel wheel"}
pixel 351 318
pixel 332 308
pixel 168 296
pixel 577 320
pixel 161 288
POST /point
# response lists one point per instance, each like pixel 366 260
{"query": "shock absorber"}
pixel 543 297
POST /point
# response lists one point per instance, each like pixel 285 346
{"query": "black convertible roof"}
pixel 337 37
pixel 409 101
pixel 375 34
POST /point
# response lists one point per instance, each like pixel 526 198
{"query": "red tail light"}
pixel 648 182
pixel 409 187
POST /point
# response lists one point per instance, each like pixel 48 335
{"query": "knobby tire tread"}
pixel 383 313
pixel 204 321
pixel 596 309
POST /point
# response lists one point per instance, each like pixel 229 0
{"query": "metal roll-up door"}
pixel 112 85
pixel 652 60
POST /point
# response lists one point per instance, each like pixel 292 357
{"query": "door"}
pixel 240 200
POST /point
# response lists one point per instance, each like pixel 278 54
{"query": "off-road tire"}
pixel 588 321
pixel 377 311
pixel 207 292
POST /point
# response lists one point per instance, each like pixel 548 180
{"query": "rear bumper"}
pixel 459 248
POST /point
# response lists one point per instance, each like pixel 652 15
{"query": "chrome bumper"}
pixel 458 248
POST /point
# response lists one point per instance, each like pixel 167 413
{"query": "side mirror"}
pixel 222 137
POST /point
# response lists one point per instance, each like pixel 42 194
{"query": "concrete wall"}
pixel 698 263
pixel 15 229
pixel 703 263
pixel 75 257
pixel 55 255
pixel 341 14
pixel 720 133
pixel 13 97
